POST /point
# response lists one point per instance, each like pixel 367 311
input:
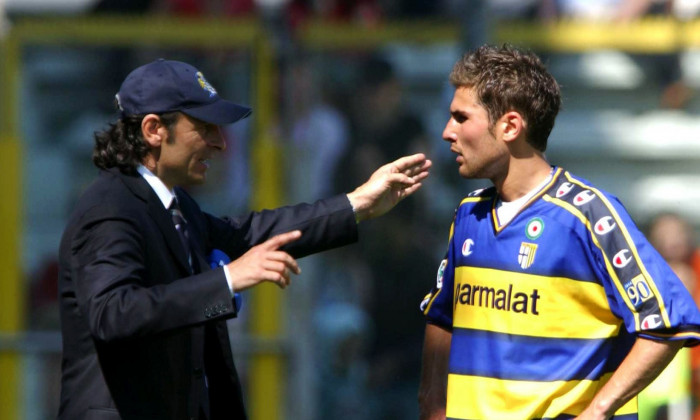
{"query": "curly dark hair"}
pixel 122 145
pixel 508 79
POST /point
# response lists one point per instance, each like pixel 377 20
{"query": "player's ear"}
pixel 153 130
pixel 512 125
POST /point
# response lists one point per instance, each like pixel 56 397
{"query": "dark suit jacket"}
pixel 135 323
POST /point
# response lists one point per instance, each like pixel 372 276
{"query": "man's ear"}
pixel 512 125
pixel 153 130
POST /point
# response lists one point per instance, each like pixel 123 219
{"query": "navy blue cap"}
pixel 167 86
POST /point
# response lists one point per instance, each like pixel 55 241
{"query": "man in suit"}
pixel 142 314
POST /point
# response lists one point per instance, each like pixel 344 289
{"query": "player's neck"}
pixel 523 175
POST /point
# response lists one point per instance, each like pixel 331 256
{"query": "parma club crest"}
pixel 526 256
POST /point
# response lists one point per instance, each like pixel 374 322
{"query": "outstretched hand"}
pixel 265 262
pixel 388 185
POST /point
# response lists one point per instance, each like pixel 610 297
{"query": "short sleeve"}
pixel 437 304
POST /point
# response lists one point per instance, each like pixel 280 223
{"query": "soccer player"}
pixel 549 303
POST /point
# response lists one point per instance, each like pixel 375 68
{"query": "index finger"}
pixel 408 162
pixel 282 239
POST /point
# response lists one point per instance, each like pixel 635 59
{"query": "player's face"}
pixel 185 155
pixel 480 152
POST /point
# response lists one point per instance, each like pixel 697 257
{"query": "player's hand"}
pixel 388 185
pixel 596 411
pixel 265 262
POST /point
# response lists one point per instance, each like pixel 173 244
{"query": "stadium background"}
pixel 336 87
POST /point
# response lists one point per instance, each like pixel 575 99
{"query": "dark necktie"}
pixel 182 231
pixel 184 234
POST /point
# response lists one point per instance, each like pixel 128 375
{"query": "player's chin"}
pixel 470 173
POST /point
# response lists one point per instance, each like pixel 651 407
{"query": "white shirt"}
pixel 166 196
pixel 506 210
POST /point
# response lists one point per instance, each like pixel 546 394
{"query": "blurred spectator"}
pixel 601 9
pixel 398 253
pixel 674 238
pixel 43 296
pixel 381 125
pixel 345 329
pixel 365 12
pixel 669 396
pixel 178 7
pixel 217 8
pixel 4 24
pixel 411 9
pixel 123 6
pixel 44 316
pixel 664 69
pixel 520 9
pixel 319 133
pixel 686 9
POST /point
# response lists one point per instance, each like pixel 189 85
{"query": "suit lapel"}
pixel 158 213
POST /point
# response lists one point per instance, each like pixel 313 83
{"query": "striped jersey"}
pixel 544 308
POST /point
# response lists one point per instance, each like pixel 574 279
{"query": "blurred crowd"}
pixel 372 10
pixel 365 11
pixel 343 118
pixel 339 139
pixel 662 69
pixel 675 394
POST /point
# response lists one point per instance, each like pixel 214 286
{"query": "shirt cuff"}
pixel 357 217
pixel 228 279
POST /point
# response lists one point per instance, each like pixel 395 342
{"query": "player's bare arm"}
pixel 643 364
pixel 432 394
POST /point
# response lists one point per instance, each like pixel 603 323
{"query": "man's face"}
pixel 185 154
pixel 480 151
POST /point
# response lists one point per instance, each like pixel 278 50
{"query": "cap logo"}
pixel 205 85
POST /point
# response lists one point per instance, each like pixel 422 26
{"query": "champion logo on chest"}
pixel 467 247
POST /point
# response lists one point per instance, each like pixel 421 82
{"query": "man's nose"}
pixel 216 139
pixel 447 133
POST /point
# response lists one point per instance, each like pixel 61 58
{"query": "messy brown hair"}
pixel 508 79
